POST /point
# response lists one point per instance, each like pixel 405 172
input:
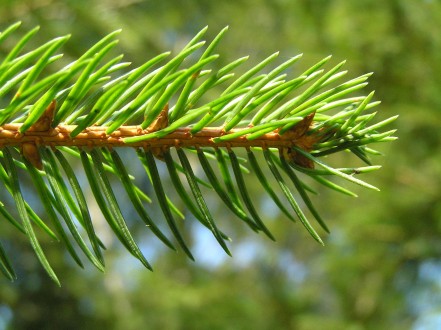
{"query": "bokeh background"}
pixel 381 267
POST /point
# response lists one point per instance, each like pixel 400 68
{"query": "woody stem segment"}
pixel 96 136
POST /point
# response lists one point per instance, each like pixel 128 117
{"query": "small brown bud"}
pixel 44 123
pixel 160 122
pixel 30 152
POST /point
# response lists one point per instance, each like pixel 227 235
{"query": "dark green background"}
pixel 381 267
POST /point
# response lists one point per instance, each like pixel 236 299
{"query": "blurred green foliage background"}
pixel 381 267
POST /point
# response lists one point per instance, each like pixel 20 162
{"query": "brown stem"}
pixel 96 136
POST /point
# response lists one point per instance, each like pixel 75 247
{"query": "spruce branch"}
pixel 94 106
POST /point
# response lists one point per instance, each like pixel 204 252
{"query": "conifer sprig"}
pixel 97 104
